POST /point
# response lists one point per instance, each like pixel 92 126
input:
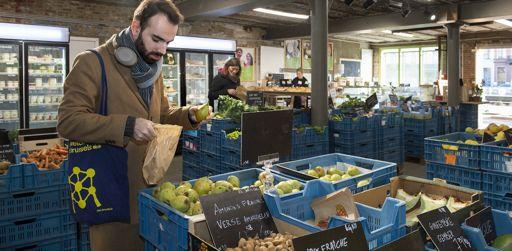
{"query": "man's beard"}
pixel 141 48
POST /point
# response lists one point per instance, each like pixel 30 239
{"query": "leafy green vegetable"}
pixel 234 135
pixel 231 108
pixel 352 103
pixel 319 129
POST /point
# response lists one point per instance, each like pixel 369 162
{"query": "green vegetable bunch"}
pixel 231 108
pixel 337 117
pixel 352 103
pixel 234 135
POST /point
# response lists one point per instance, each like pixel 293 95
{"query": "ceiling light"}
pixel 387 32
pixel 406 9
pixel 369 3
pixel 281 13
pixel 403 34
pixel 433 17
pixel 349 2
pixel 504 22
pixel 34 32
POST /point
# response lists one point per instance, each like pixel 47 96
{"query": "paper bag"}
pixel 332 205
pixel 160 152
pixel 241 93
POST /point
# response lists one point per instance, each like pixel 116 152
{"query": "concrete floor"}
pixel 174 173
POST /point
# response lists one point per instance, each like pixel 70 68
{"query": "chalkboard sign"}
pixel 508 135
pixel 445 233
pixel 255 98
pixel 266 133
pixel 347 237
pixel 484 221
pixel 412 241
pixel 237 214
pixel 351 68
pixel 487 138
pixel 393 98
pixel 371 101
pixel 408 99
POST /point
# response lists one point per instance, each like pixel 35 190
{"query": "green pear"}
pixel 192 195
pixel 181 203
pixel 166 196
pixel 202 186
pixel 312 172
pixel 155 192
pixel 258 183
pixel 332 170
pixel 295 184
pixel 181 190
pixel 197 209
pixel 234 181
pixel 186 183
pixel 284 186
pixel 353 171
pixel 219 189
pixel 295 190
pixel 345 176
pixel 320 171
pixel 202 113
pixel 336 177
pixel 280 192
pixel 224 183
pixel 167 185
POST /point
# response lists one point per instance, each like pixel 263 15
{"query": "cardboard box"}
pixel 37 139
pixel 375 197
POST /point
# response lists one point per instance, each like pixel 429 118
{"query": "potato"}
pixel 241 242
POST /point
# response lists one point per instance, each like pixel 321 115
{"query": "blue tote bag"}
pixel 98 175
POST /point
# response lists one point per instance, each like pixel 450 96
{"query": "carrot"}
pixel 53 166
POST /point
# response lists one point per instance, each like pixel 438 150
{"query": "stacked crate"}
pixel 390 138
pixel 191 155
pixel 309 142
pixel 35 209
pixel 417 127
pixel 452 158
pixel 355 136
pixel 468 116
pixel 496 164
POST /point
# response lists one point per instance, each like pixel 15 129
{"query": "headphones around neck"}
pixel 125 56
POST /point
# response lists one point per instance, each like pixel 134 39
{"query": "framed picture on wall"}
pixel 292 51
pixel 330 56
pixel 306 54
pixel 248 61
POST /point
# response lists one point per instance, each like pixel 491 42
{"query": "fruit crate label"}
pixel 237 214
pixel 485 222
pixel 445 233
pixel 412 241
pixel 347 237
pixel 371 101
pixel 393 98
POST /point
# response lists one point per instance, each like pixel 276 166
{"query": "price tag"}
pixel 393 98
pixel 450 159
pixel 237 214
pixel 255 98
pixel 508 135
pixel 484 221
pixel 445 233
pixel 371 101
pixel 487 138
pixel 347 237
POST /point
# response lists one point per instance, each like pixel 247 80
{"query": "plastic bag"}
pixel 160 152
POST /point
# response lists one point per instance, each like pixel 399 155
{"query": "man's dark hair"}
pixel 150 8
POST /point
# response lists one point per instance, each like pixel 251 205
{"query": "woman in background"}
pixel 299 81
pixel 225 83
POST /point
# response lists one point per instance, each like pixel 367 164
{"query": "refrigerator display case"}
pixel 45 73
pixel 196 68
pixel 10 81
pixel 171 73
pixel 219 60
pixel 33 65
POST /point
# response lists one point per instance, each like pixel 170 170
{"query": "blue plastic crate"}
pixel 393 155
pixel 231 144
pixel 379 171
pixel 167 229
pixel 301 117
pixel 217 125
pixel 36 228
pixel 210 142
pixel 232 157
pixel 445 149
pixel 455 175
pixel 84 243
pixel 191 171
pixel 211 162
pixel 63 243
pixel 496 156
pixel 503 225
pixel 192 157
pixel 427 127
pixel 352 138
pixel 391 142
pixel 191 140
pixel 12 180
pixel 380 225
pixel 33 202
pixel 497 201
pixel 390 120
pixel 309 135
pixel 310 150
pixel 355 125
pixel 367 148
pixel 497 183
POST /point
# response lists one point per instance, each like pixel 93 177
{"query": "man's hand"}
pixel 232 92
pixel 192 114
pixel 143 130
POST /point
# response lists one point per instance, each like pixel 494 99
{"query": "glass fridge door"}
pixel 9 87
pixel 218 62
pixel 196 68
pixel 171 75
pixel 46 72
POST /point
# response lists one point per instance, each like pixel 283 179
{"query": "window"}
pixel 429 65
pixel 409 67
pixel 389 66
pixel 412 66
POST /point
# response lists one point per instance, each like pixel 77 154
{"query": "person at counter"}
pixel 130 65
pixel 299 81
pixel 225 83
